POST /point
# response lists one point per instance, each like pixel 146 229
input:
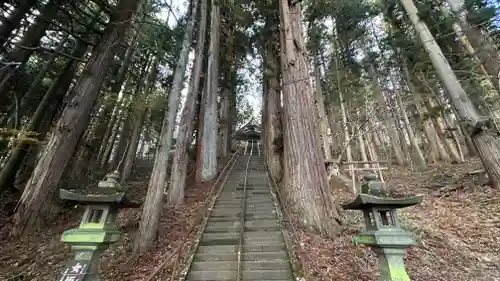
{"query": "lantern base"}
pixel 392 267
pixel 387 238
pixel 85 264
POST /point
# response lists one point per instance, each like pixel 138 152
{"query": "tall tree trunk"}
pixel 13 21
pixel 438 124
pixel 272 110
pixel 185 136
pixel 320 103
pixel 122 144
pixel 388 119
pixel 206 165
pixel 305 176
pixel 152 206
pixel 108 146
pixel 479 128
pixel 413 140
pixel 437 150
pixel 141 108
pixel 73 121
pixel 227 91
pixel 361 141
pixel 137 126
pixel 28 99
pixel 485 49
pixel 345 128
pixel 465 42
pixel 20 55
pixel 103 129
pixel 45 111
pixel 125 133
pixel 110 125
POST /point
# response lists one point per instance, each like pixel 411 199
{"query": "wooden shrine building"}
pixel 250 132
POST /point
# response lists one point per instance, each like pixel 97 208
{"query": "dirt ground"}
pixel 457 229
pixel 41 256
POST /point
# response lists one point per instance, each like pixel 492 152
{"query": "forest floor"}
pixel 42 255
pixel 456 227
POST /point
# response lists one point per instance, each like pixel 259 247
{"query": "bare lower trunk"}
pixel 151 211
pixel 125 133
pixel 206 165
pixel 46 111
pixel 388 119
pixel 272 123
pixel 223 123
pixel 134 143
pixel 185 136
pixel 115 128
pixel 73 121
pixel 413 140
pixel 227 91
pixel 305 176
pixel 141 109
pixel 323 121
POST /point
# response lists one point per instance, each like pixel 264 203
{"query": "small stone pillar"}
pixel 383 231
pixel 97 228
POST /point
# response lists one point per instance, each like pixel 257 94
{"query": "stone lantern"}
pixel 97 228
pixel 383 231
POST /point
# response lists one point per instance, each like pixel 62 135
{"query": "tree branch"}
pixel 42 49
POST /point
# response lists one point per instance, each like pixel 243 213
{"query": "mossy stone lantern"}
pixel 383 231
pixel 97 228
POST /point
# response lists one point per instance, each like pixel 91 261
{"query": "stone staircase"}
pixel 263 255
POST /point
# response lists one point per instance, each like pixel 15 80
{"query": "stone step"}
pixel 249 200
pixel 245 265
pixel 249 204
pixel 247 248
pixel 248 256
pixel 234 226
pixel 230 275
pixel 254 236
pixel 248 217
pixel 249 207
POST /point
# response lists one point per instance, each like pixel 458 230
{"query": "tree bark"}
pixel 272 105
pixel 479 128
pixel 45 111
pixel 31 39
pixel 185 136
pixel 413 140
pixel 125 134
pixel 485 49
pixel 206 165
pixel 388 119
pixel 73 121
pixel 114 127
pixel 323 120
pixel 103 129
pixel 305 177
pixel 141 108
pixel 224 132
pixel 28 99
pixel 151 211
